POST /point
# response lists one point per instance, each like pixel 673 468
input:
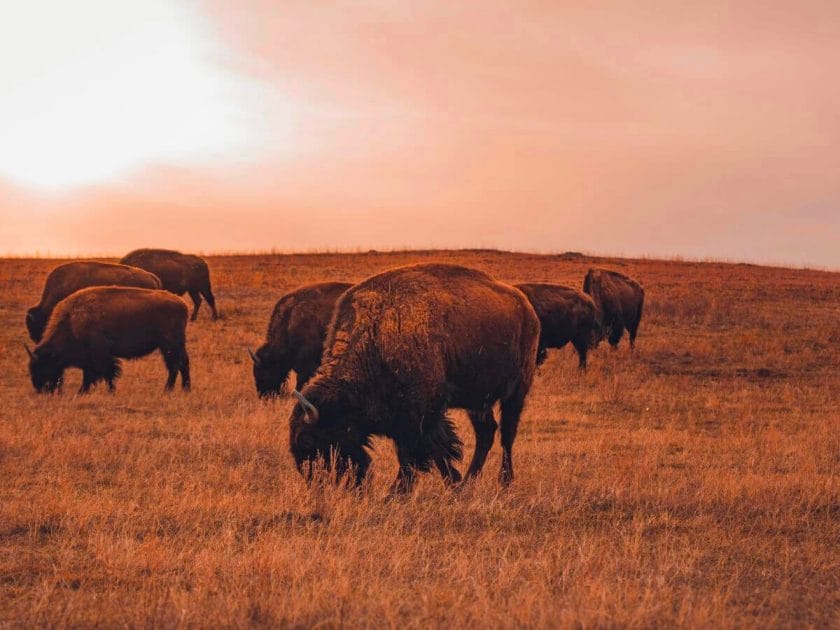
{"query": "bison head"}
pixel 36 322
pixel 269 375
pixel 323 435
pixel 45 370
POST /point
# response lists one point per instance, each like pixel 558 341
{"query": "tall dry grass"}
pixel 694 483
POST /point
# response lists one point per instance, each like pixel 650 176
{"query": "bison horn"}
pixel 28 351
pixel 254 357
pixel 308 408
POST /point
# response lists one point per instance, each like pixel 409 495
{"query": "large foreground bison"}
pixel 403 347
pixel 566 315
pixel 295 338
pixel 179 273
pixel 619 300
pixel 95 327
pixel 70 277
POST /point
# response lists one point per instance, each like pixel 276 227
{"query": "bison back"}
pixel 437 329
pixel 71 277
pixel 129 321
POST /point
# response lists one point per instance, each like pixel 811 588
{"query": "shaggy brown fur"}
pixel 619 300
pixel 295 337
pixel 95 327
pixel 70 277
pixel 566 315
pixel 179 273
pixel 403 347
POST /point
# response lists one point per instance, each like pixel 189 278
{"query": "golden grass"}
pixel 695 483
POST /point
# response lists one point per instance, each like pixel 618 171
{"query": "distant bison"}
pixel 95 327
pixel 179 273
pixel 619 300
pixel 295 338
pixel 70 277
pixel 566 315
pixel 402 348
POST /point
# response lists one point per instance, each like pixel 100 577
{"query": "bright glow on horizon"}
pixel 94 89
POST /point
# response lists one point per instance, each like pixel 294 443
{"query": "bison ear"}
pixel 309 410
pixel 28 351
pixel 254 357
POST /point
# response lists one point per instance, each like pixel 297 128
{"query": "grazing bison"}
pixel 566 315
pixel 95 327
pixel 403 347
pixel 70 277
pixel 619 300
pixel 295 338
pixel 179 273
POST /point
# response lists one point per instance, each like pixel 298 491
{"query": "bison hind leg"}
pixel 196 298
pixel 176 361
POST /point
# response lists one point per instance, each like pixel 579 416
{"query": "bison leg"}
pixel 406 475
pixel 211 300
pixel 196 298
pixel 616 332
pixel 89 379
pixel 485 426
pixel 511 412
pixel 173 360
pixel 633 329
pixel 582 347
pixel 184 369
pixel 450 474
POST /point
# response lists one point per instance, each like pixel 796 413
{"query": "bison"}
pixel 566 315
pixel 295 337
pixel 70 277
pixel 179 273
pixel 403 347
pixel 619 300
pixel 95 327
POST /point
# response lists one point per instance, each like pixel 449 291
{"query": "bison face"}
pixel 35 323
pixel 321 437
pixel 46 372
pixel 269 375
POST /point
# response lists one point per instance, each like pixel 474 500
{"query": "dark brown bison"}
pixel 402 348
pixel 179 273
pixel 566 315
pixel 619 300
pixel 295 338
pixel 70 277
pixel 95 327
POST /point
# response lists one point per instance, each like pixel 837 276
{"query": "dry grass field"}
pixel 694 483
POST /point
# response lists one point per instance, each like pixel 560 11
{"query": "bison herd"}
pixel 387 357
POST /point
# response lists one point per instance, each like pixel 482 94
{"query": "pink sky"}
pixel 701 130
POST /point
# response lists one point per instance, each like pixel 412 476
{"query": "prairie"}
pixel 695 482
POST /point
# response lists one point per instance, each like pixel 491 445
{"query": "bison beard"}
pixel 403 347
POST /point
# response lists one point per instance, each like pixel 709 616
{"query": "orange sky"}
pixel 637 128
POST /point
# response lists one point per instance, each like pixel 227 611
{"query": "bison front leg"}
pixel 484 425
pixel 89 379
pixel 410 459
